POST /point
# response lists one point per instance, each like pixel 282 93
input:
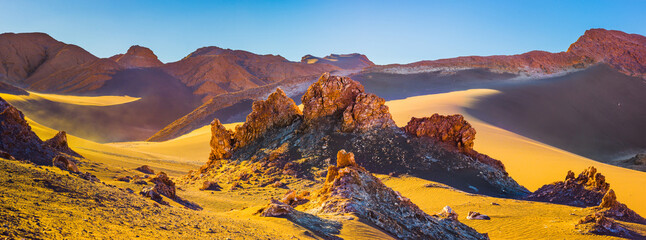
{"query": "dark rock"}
pixel 586 190
pixel 59 142
pixel 65 163
pixel 124 179
pixel 211 186
pixel 354 190
pixel 163 185
pixel 145 169
pixel 6 155
pixel 600 225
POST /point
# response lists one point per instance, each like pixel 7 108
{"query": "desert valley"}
pixel 229 144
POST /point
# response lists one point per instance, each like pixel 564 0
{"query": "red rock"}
pixel 452 129
pixel 65 163
pixel 221 141
pixel 328 96
pixel 275 112
pixel 368 112
pixel 137 57
pixel 163 185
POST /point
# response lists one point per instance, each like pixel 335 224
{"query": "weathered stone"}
pixel 611 208
pixel 367 112
pixel 277 111
pixel 448 213
pixel 586 190
pixel 477 216
pixel 221 141
pixel 344 159
pixel 211 186
pixel 64 163
pixel 145 169
pixel 59 142
pixel 452 129
pixel 355 191
pixel 598 224
pixel 328 96
pixel 276 209
pixel 163 185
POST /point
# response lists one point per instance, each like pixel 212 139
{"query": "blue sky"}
pixel 387 32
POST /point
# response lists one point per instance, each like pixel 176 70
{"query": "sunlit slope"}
pixel 115 157
pixel 191 148
pixel 510 219
pixel 71 99
pixel 529 162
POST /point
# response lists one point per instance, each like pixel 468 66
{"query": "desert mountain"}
pixel 137 57
pixel 344 61
pixel 624 52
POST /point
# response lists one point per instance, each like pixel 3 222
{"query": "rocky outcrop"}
pixel 352 61
pixel 59 142
pixel 275 112
pixel 452 129
pixel 17 139
pixel 600 225
pixel 333 96
pixel 145 169
pixel 278 142
pixel 611 208
pixel 221 141
pixel 586 190
pixel 137 57
pixel 354 190
pixel 163 185
pixel 210 186
pixel 65 163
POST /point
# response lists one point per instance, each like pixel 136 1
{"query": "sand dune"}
pixel 529 162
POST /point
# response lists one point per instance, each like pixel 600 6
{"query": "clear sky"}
pixel 387 32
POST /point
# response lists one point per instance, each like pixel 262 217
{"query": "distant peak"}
pixel 345 61
pixel 137 57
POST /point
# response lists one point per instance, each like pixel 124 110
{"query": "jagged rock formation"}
pixel 59 142
pixel 163 185
pixel 344 61
pixel 221 141
pixel 600 225
pixel 137 57
pixel 275 112
pixel 454 131
pixel 624 52
pixel 611 208
pixel 586 190
pixel 298 147
pixel 352 189
pixel 17 139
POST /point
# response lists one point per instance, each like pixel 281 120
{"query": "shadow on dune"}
pixel 163 99
pixel 598 113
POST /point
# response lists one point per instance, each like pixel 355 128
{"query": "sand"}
pixel 531 163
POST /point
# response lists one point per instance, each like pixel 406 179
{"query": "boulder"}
pixel 447 213
pixel 211 186
pixel 328 96
pixel 366 113
pixel 276 208
pixel 153 194
pixel 64 163
pixel 600 225
pixel 145 169
pixel 163 185
pixel 477 216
